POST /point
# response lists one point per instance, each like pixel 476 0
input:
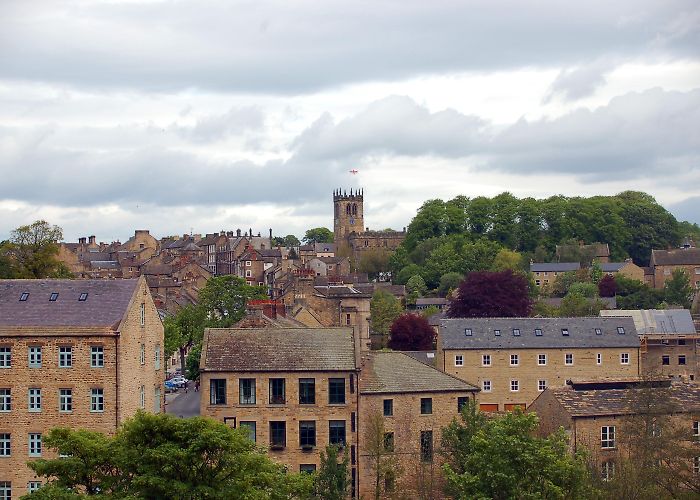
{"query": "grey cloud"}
pixel 283 47
pixel 688 209
pixel 237 120
pixel 575 83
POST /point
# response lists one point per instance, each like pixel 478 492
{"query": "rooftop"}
pixel 657 321
pixel 559 267
pixel 677 257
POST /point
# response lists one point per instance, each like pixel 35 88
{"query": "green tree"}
pixel 318 235
pixel 384 309
pixel 286 241
pixel 575 305
pixel 331 481
pixel 224 299
pixel 7 267
pixel 32 251
pixel 429 222
pixel 375 263
pixel 415 288
pixel 406 273
pixel 449 282
pixel 507 259
pixel 184 330
pixel 160 456
pixel 584 289
pixel 192 363
pixel 501 458
pixel 677 290
pixel 383 463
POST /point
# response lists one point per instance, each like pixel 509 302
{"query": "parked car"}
pixel 170 386
pixel 178 381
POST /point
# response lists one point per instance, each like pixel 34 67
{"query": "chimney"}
pixel 229 234
pixel 238 233
pixel 92 240
pixel 82 240
pixel 250 232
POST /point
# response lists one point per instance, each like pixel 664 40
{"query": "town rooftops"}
pixel 677 257
pixel 324 247
pixel 340 291
pixel 584 402
pixel 75 302
pixel 278 349
pixel 657 321
pixel 554 267
pixel 537 333
pixel 612 267
pixel 387 372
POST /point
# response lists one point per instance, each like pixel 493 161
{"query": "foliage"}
pixel 490 294
pixel 411 332
pixel 160 456
pixel 607 286
pixel 374 262
pixel 318 235
pixel 429 311
pixel 32 252
pixel 575 305
pixel 192 363
pixel 415 288
pixel 677 290
pixel 383 462
pixel 384 309
pixel 406 273
pixel 224 299
pixel 565 280
pixel 584 289
pixel 331 481
pixel 184 330
pixel 633 294
pixel 286 241
pixel 507 259
pixel 501 458
pixel 449 282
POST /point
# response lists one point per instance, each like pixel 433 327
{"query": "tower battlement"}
pixel 342 195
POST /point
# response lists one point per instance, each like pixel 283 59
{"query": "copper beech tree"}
pixel 411 332
pixel 491 295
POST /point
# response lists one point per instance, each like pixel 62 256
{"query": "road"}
pixel 183 404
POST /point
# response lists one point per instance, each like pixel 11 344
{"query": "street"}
pixel 183 404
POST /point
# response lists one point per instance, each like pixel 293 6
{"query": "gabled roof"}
pixel 278 349
pixel 386 372
pixel 554 267
pixel 657 321
pixel 612 267
pixel 677 257
pixel 105 304
pixel 581 333
pixel 324 247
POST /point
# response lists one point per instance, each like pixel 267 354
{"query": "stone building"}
pixel 664 262
pixel 73 353
pixel 513 360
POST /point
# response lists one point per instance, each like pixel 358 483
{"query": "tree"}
pixel 489 294
pixel 286 241
pixel 384 309
pixel 375 263
pixel 577 304
pixel 318 235
pixel 449 282
pixel 331 481
pixel 607 286
pixel 32 251
pixel 224 299
pixel 184 330
pixel 380 452
pixel 677 290
pixel 415 287
pixel 160 456
pixel 501 458
pixel 507 259
pixel 588 290
pixel 411 332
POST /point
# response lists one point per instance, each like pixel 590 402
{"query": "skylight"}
pixel 54 296
pixel 24 296
pixel 83 297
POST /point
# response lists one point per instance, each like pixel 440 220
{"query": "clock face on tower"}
pixel 352 221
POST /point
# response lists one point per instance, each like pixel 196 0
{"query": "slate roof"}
pixel 324 247
pixel 677 257
pixel 340 291
pixel 278 349
pixel 554 267
pixel 581 333
pixel 432 301
pixel 106 302
pixel 104 264
pixel 684 398
pixel 386 372
pixel 425 357
pixel 658 321
pixel 612 267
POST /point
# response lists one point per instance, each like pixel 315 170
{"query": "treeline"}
pixel 466 234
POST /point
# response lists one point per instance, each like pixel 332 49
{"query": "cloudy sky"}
pixel 181 116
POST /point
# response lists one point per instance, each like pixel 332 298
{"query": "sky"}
pixel 199 116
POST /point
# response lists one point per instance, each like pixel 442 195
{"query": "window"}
pixel 681 359
pixel 681 341
pixel 426 406
pixel 388 407
pixel 468 332
pixel 65 357
pixel 514 360
pixel 307 391
pixel 32 486
pixel 607 470
pixel 388 441
pixel 696 428
pixel 307 468
pixel 83 297
pixel 497 333
pixel 620 330
pixel 248 273
pixel 34 399
pixel 486 386
pixel 624 358
pixel 336 391
pixel 217 391
pixel 277 391
pixel 142 397
pixel 541 385
pixel 352 383
pixel 599 359
pixel 156 400
pixel 347 319
pixel 248 263
pixel 142 354
pixel 568 359
pixel 5 357
pixel 426 446
pixel 538 332
pixel 278 434
pixel 65 400
pixel 541 359
pixel 5 490
pixel 459 360
pixel 24 296
pixel 97 356
pixel 485 360
pixel 246 391
pixel 156 357
pixel 598 331
pixel 97 400
pixel 250 427
pixel 514 386
pixel 607 436
pixel 696 465
pixel 665 360
pixel 5 400
pixel 307 433
pixel 5 445
pixel 461 403
pixel 516 332
pixel 35 356
pixel 142 314
pixel 34 444
pixel 336 432
pixel 53 297
pixel 565 332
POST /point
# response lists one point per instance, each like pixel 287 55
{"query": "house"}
pixel 668 342
pixel 425 302
pixel 293 389
pixel 599 252
pixel 628 269
pixel 73 353
pixel 597 416
pixel 664 262
pixel 410 402
pixel 546 272
pixel 513 360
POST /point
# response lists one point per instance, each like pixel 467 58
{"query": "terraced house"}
pixel 513 360
pixel 73 353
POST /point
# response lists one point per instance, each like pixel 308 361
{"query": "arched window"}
pixel 354 209
pixel 347 210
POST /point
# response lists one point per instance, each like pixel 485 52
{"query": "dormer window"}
pixel 620 330
pixel 83 297
pixel 565 332
pixel 598 331
pixel 468 332
pixel 24 297
pixel 516 332
pixel 497 333
pixel 538 332
pixel 54 296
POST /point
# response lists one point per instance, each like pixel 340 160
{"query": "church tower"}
pixel 348 214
